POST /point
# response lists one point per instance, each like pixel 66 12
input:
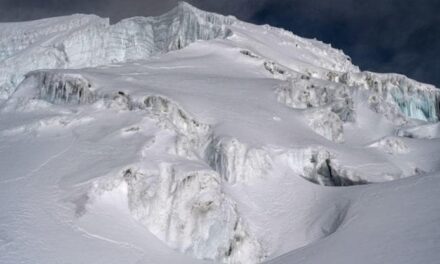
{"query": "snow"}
pixel 193 137
pixel 87 40
pixel 415 100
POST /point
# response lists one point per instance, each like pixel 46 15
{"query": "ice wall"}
pixel 59 87
pixel 188 210
pixel 390 91
pixel 192 135
pixel 303 92
pixel 85 40
pixel 237 162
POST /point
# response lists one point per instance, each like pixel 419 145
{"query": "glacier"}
pixel 193 137
pixel 187 210
pixel 86 40
pixel 415 100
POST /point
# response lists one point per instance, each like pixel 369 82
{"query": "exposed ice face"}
pixel 303 92
pixel 42 46
pixel 392 92
pixel 16 37
pixel 318 165
pixel 192 135
pixel 327 104
pixel 179 199
pixel 85 41
pixel 188 211
pixel 236 161
pixel 62 87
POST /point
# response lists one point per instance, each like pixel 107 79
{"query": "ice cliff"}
pixel 86 40
pixel 79 41
pixel 391 92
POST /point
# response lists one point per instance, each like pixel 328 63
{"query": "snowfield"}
pixel 194 137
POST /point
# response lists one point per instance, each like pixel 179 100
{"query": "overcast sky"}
pixel 380 35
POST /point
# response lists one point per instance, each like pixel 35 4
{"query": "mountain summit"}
pixel 193 137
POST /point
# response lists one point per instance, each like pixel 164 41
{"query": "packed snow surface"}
pixel 193 137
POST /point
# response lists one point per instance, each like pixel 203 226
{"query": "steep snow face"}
pixel 284 49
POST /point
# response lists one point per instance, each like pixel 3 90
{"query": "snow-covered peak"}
pixel 201 133
pixel 86 40
pixel 80 41
pixel 183 7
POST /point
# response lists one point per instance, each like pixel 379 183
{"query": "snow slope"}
pixel 196 138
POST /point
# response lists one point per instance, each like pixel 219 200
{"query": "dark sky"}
pixel 380 35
